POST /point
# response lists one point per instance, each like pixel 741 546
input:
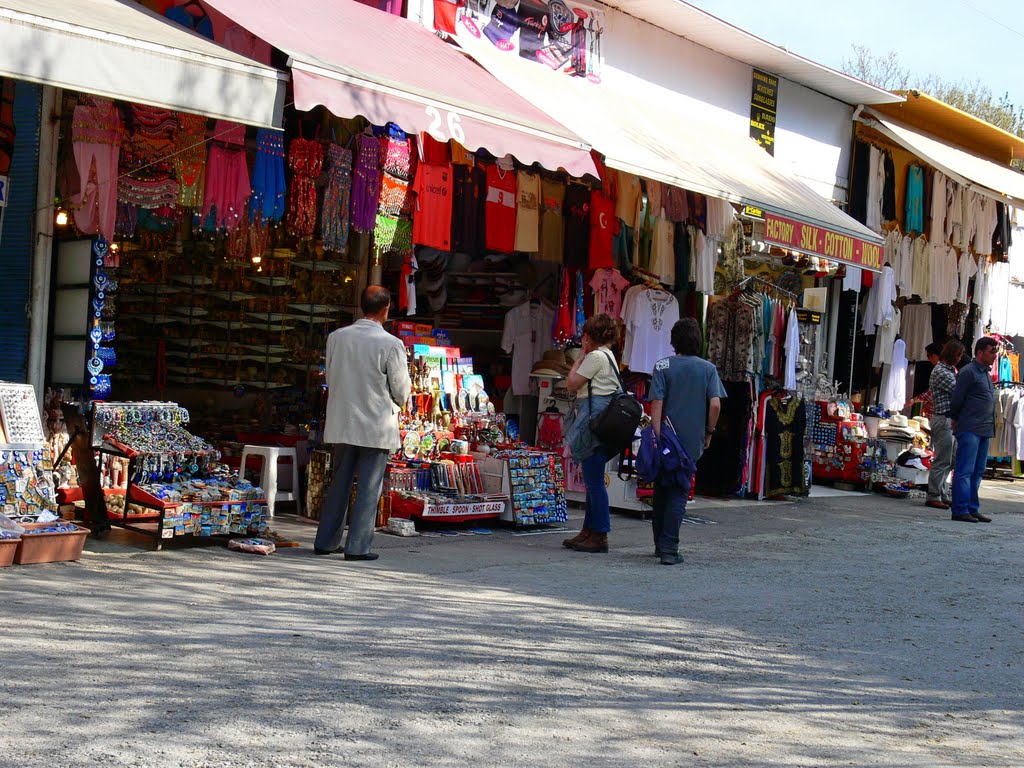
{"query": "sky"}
pixel 955 39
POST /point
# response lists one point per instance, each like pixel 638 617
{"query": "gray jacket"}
pixel 973 403
pixel 368 382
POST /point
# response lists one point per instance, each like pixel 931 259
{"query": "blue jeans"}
pixel 669 511
pixel 971 459
pixel 351 461
pixel 598 517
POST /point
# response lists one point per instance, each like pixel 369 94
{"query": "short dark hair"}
pixel 686 337
pixel 985 342
pixel 375 299
pixel 602 330
pixel 933 349
pixel 952 352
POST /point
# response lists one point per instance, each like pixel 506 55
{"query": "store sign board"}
pixel 819 241
pixel 764 101
pixel 461 510
pixel 564 36
pixel 808 316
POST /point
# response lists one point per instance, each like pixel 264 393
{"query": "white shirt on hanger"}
pixel 921 282
pixel 985 226
pixel 876 173
pixel 880 299
pixel 943 275
pixel 652 313
pixel 937 230
pixel 886 337
pixel 527 336
pixel 894 379
pixel 792 349
pixel 967 268
pixel 705 250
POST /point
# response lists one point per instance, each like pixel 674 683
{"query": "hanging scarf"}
pixel 366 182
pixel 337 199
pixel 579 318
pixel 396 157
pixel 563 331
pixel 392 235
pixel 268 179
pixel 305 160
pixel 190 159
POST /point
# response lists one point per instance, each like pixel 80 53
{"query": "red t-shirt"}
pixel 432 221
pixel 500 210
pixel 602 230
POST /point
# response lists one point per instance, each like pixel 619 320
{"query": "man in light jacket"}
pixel 367 383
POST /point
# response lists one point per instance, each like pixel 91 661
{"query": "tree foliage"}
pixel 887 71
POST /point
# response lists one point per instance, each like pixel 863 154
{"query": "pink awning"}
pixel 356 60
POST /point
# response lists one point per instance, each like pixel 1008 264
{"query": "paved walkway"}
pixel 843 630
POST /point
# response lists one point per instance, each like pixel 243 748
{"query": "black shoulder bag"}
pixel 616 425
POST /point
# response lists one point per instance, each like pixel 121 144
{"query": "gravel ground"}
pixel 853 630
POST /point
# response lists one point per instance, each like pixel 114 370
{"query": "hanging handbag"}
pixel 615 427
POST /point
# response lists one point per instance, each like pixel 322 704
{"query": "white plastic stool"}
pixel 268 474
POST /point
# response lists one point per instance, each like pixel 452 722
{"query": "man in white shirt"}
pixel 367 383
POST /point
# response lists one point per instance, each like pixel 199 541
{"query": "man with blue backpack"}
pixel 685 404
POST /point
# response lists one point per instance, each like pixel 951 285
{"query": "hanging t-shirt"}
pixel 432 221
pixel 792 350
pixel 407 285
pixel 703 259
pixel 608 285
pixel 663 257
pixel 501 210
pixel 468 209
pixel 526 336
pixel 432 151
pixel 552 225
pixel 651 317
pixel 627 204
pixel 577 226
pixel 914 203
pixel 943 274
pixel 603 227
pixel 528 212
pixel 674 201
pixel 968 268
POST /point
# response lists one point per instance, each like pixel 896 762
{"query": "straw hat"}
pixel 551 364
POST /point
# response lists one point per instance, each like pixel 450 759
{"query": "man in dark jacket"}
pixel 972 413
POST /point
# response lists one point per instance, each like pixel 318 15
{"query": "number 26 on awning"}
pixel 442 119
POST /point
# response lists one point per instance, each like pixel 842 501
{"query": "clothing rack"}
pixel 767 285
pixel 647 278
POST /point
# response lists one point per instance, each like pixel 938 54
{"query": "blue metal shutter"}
pixel 17 241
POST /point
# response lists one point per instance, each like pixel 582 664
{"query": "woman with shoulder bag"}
pixel 594 379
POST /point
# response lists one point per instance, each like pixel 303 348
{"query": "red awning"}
pixel 356 60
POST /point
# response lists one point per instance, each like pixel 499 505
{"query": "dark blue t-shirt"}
pixel 686 384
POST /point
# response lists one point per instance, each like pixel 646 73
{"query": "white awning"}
pixel 122 50
pixel 662 135
pixel 978 173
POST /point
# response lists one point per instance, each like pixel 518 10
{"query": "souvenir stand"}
pixel 434 476
pixel 27 487
pixel 172 484
pixel 30 531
